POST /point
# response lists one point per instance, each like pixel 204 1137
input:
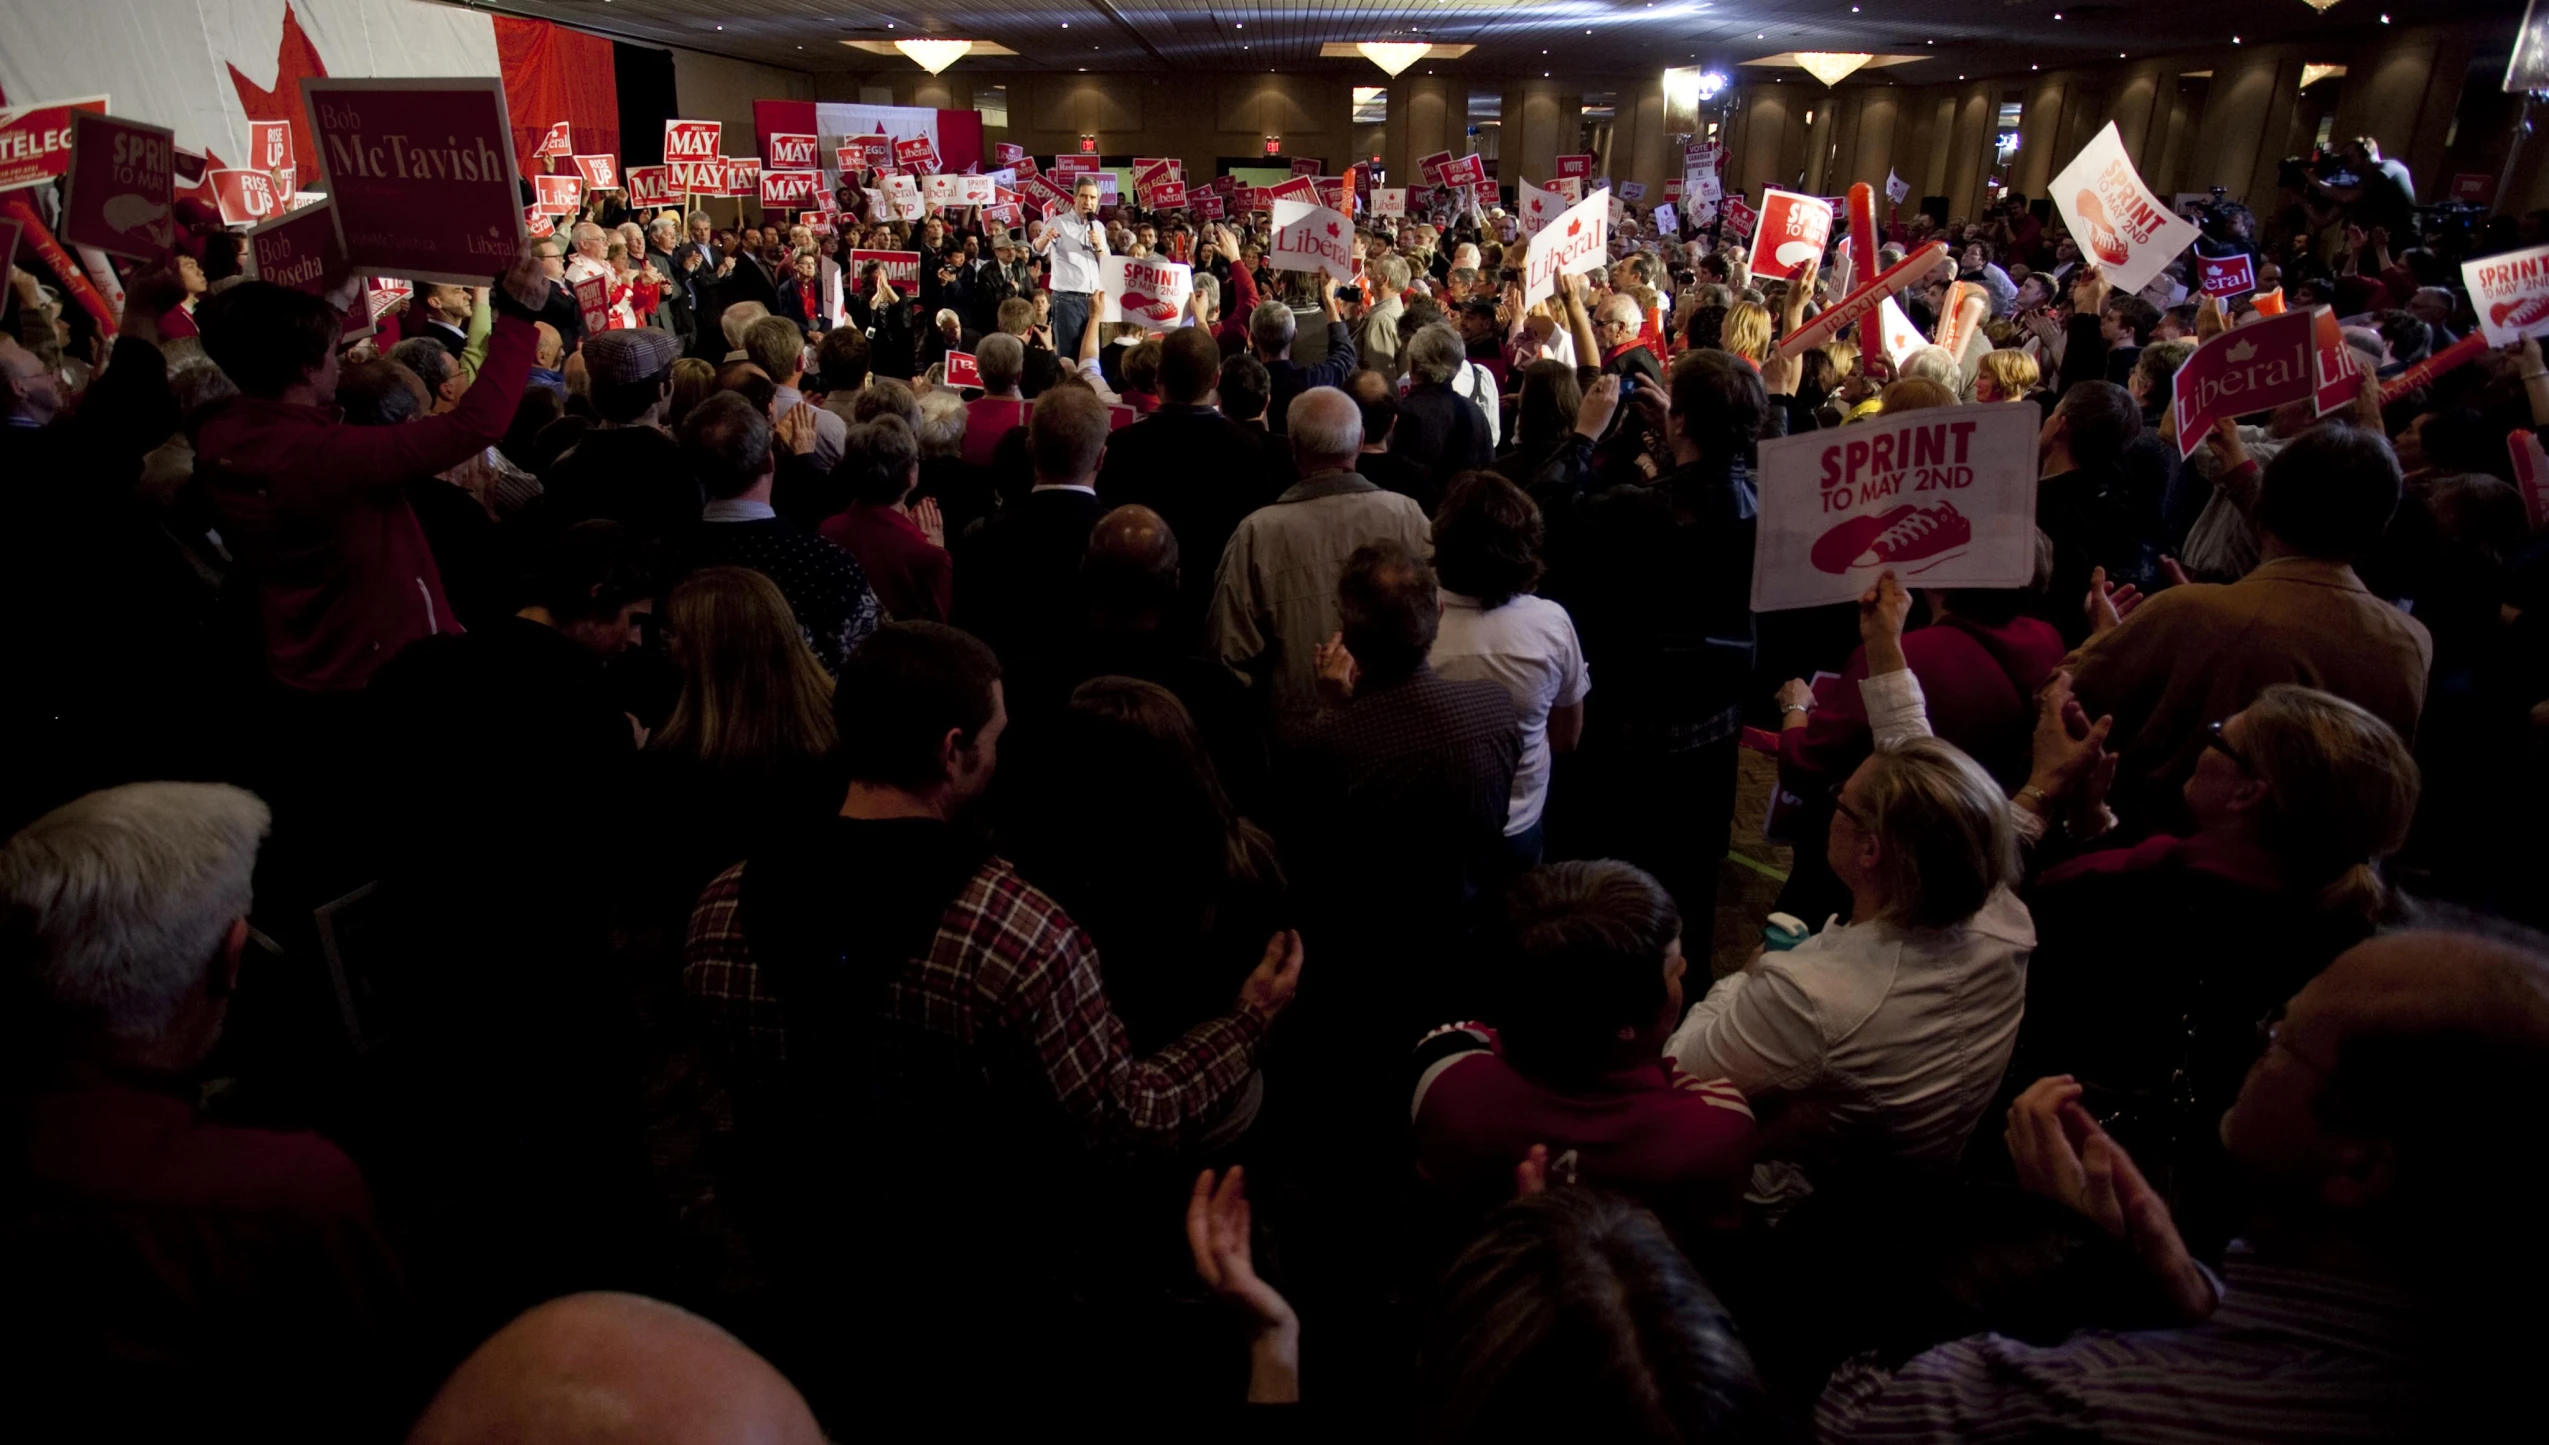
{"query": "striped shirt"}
pixel 2288 1356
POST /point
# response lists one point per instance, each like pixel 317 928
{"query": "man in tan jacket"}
pixel 1275 600
pixel 2194 654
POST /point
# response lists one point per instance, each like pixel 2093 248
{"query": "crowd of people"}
pixel 689 878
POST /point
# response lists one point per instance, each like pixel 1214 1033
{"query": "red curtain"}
pixel 554 74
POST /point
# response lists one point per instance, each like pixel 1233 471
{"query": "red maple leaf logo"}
pixel 1331 229
pixel 1575 226
pixel 1535 203
pixel 295 57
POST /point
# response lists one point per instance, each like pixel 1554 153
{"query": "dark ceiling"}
pixel 1577 37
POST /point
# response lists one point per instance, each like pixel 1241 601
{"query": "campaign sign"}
pixel 269 144
pixel 2340 380
pixel 650 186
pixel 743 176
pixel 962 370
pixel 35 140
pixel 2225 276
pixel 1944 497
pixel 558 142
pixel 876 152
pixel 1389 201
pixel 849 160
pixel 121 183
pixel 791 188
pixel 1580 166
pixel 1576 239
pixel 593 298
pixel 1207 204
pixel 791 153
pixel 916 153
pixel 1570 189
pixel 2474 189
pixel 976 190
pixel 246 197
pixel 2510 293
pixel 1632 190
pixel 299 250
pixel 1008 154
pixel 1703 156
pixel 1311 238
pixel 901 267
pixel 602 173
pixel 1537 206
pixel 1145 290
pixel 1299 188
pixel 1673 190
pixel 1431 167
pixel 1469 170
pixel 1665 221
pixel 1792 231
pixel 558 195
pixel 1741 218
pixel 1484 192
pixel 1897 189
pixel 1070 166
pixel 697 178
pixel 2531 474
pixel 536 222
pixel 1024 166
pixel 2129 232
pixel 692 140
pixel 381 293
pixel 2256 367
pixel 1896 336
pixel 449 210
pixel 1308 165
pixel 1331 191
pixel 1168 195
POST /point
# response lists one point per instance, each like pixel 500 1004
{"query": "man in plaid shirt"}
pixel 896 946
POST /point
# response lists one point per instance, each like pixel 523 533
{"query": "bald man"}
pixel 32 397
pixel 615 1369
pixel 2390 1131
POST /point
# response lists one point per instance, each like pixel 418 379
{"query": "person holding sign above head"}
pixel 1072 244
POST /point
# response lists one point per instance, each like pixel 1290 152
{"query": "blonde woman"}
pixel 1747 332
pixel 2006 374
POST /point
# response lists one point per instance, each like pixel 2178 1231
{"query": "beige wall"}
pixel 1195 118
pixel 713 87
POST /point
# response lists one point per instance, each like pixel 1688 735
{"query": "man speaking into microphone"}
pixel 1075 244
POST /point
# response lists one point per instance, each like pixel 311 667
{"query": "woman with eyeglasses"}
pixel 2155 960
pixel 1871 1049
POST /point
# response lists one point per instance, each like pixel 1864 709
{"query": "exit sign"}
pixel 1088 145
pixel 1274 145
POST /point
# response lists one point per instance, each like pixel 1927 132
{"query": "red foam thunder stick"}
pixel 2468 349
pixel 1863 301
pixel 1862 235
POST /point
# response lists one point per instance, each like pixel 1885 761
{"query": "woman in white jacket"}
pixel 1877 1044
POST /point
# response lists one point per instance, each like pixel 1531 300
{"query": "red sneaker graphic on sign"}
pixel 2102 237
pixel 1141 307
pixel 2527 312
pixel 1908 533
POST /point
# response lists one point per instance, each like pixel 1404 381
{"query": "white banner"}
pixel 2511 294
pixel 1144 290
pixel 1312 238
pixel 2125 230
pixel 1577 239
pixel 1537 206
pixel 1944 497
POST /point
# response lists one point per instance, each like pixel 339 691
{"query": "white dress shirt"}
pixel 1075 245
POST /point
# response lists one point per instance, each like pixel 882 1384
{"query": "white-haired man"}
pixel 1275 600
pixel 591 259
pixel 192 1277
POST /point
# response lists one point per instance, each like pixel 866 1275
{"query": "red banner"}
pixel 35 140
pixel 1469 170
pixel 1575 165
pixel 743 176
pixel 245 197
pixel 961 370
pixel 692 140
pixel 121 187
pixel 917 155
pixel 697 178
pixel 1168 195
pixel 790 188
pixel 448 212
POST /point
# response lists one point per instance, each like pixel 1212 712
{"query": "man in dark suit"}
pixel 1194 466
pixel 445 310
pixel 753 276
pixel 1018 580
pixel 1270 331
pixel 947 333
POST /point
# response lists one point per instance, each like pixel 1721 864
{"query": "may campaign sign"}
pixel 1792 231
pixel 2129 232
pixel 2256 367
pixel 692 140
pixel 299 250
pixel 2510 293
pixel 422 175
pixel 2225 275
pixel 1942 498
pixel 1144 290
pixel 121 184
pixel 35 140
pixel 1577 239
pixel 790 153
pixel 1311 238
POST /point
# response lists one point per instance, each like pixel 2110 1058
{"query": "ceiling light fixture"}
pixel 1829 66
pixel 2319 5
pixel 934 55
pixel 2312 74
pixel 1393 56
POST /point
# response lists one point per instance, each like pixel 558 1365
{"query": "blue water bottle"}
pixel 1783 931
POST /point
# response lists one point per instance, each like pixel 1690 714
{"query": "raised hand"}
pixel 2059 1152
pixel 1218 1223
pixel 1277 977
pixel 932 524
pixel 2069 750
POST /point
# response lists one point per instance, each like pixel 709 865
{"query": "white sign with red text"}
pixel 1791 232
pixel 1144 290
pixel 1576 239
pixel 2121 227
pixel 1941 498
pixel 1537 206
pixel 1390 201
pixel 560 141
pixel 2510 293
pixel 1311 238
